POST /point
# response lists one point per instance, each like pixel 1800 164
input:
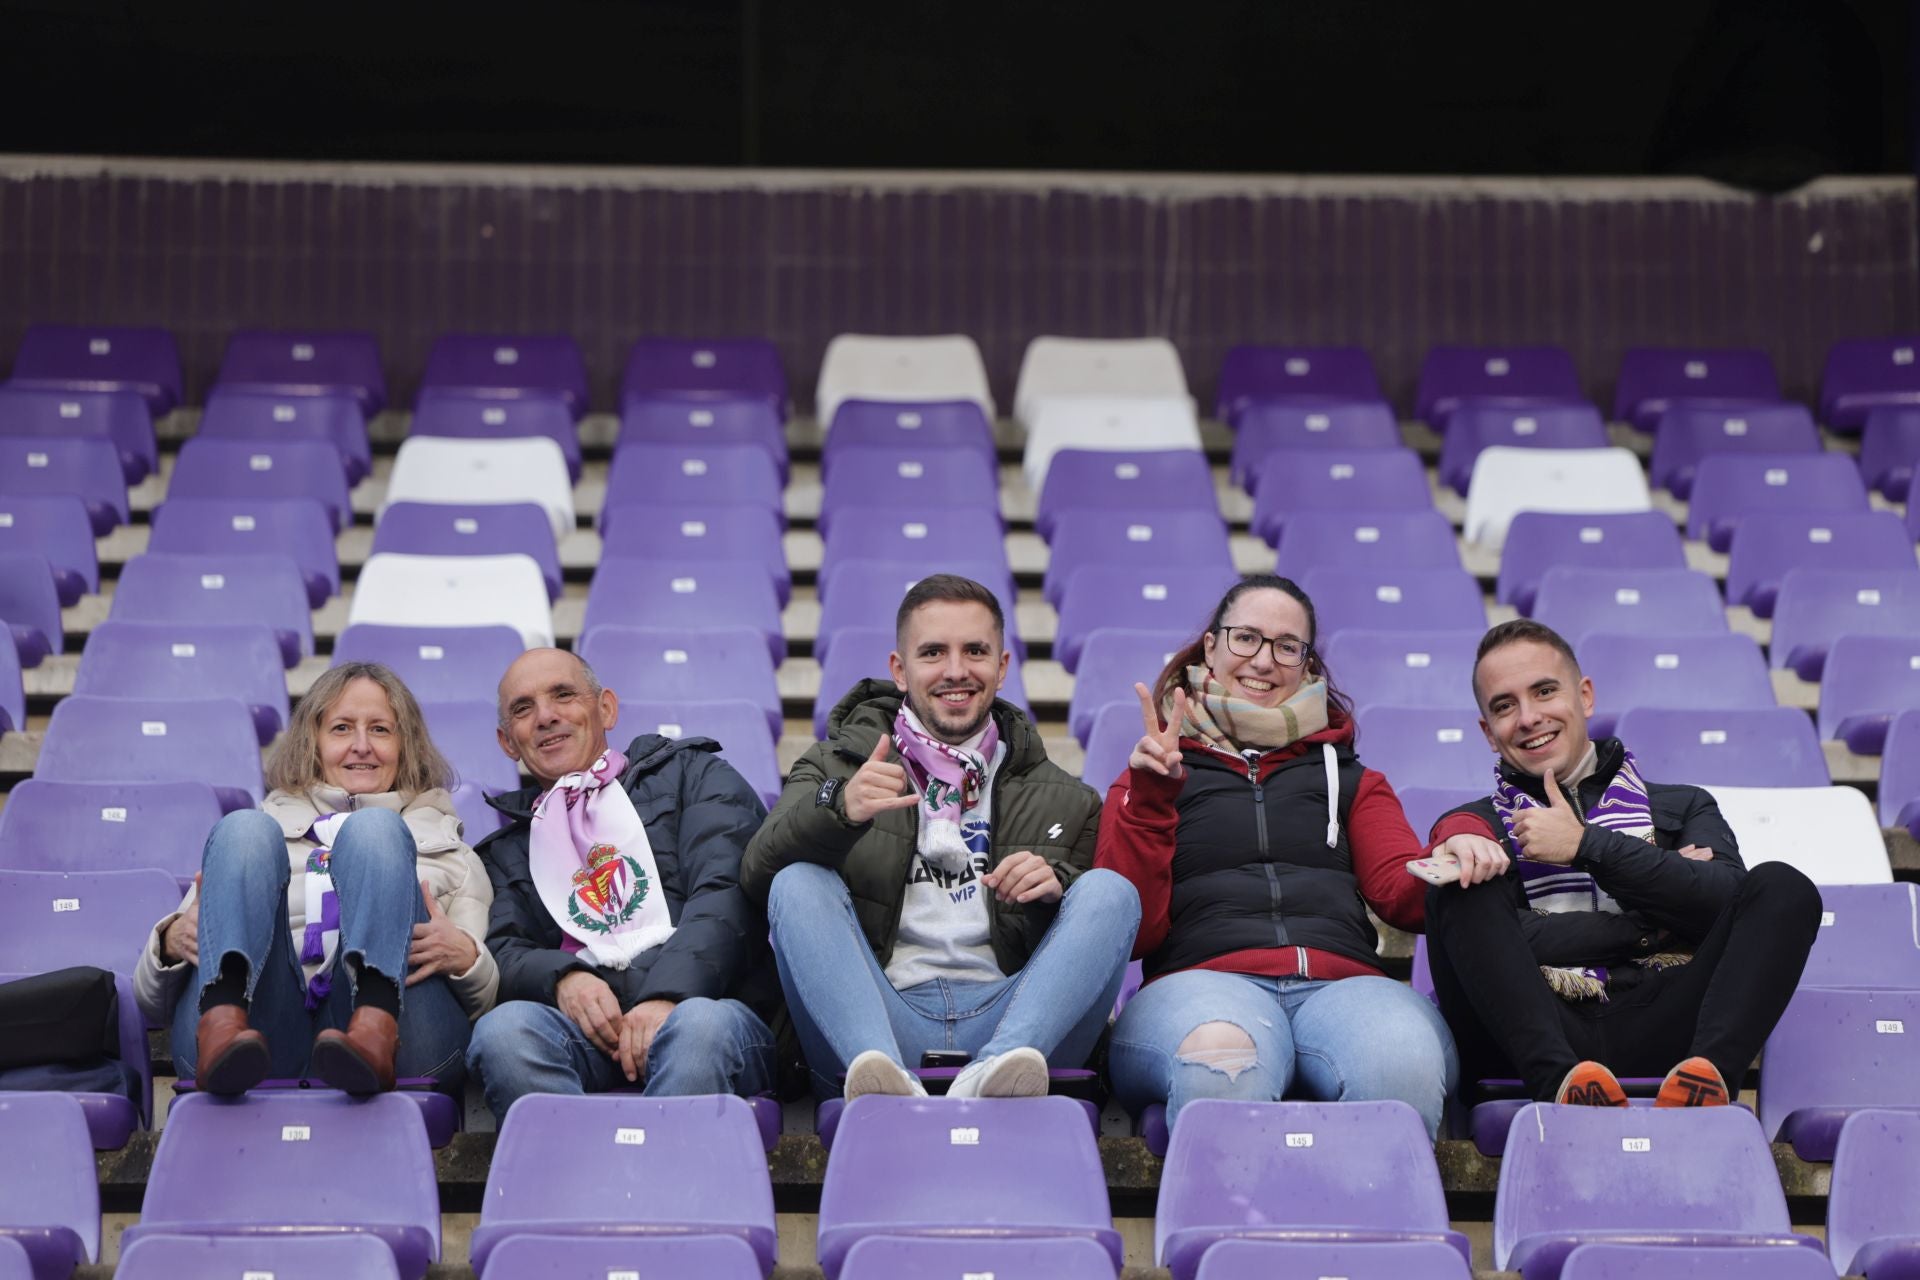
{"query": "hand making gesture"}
pixel 1551 832
pixel 878 785
pixel 1158 750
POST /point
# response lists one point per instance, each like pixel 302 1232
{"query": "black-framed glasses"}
pixel 1245 642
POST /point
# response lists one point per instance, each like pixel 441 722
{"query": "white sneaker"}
pixel 874 1072
pixel 1017 1073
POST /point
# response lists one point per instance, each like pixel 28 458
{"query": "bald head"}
pixel 554 715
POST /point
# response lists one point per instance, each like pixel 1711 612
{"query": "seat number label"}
pixel 296 1133
pixel 1890 1027
pixel 629 1137
pixel 1636 1144
pixel 1299 1140
pixel 65 904
pixel 965 1137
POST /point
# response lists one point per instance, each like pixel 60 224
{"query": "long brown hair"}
pixel 294 764
pixel 1194 653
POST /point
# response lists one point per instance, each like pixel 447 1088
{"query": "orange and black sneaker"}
pixel 1590 1085
pixel 1694 1083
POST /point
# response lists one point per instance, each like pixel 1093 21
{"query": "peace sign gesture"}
pixel 1158 750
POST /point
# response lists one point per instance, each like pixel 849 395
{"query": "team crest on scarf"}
pixel 607 891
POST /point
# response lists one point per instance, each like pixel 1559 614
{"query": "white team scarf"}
pixel 594 868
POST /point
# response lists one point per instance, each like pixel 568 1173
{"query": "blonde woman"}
pixel 339 930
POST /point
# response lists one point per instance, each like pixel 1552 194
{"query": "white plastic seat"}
pixel 859 366
pixel 1830 833
pixel 1507 481
pixel 1147 368
pixel 440 469
pixel 454 591
pixel 1107 422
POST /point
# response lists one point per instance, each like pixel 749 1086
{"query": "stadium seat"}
pixel 84 467
pixel 438 664
pixel 725 475
pixel 121 417
pixel 1055 368
pixel 481 529
pixel 100 358
pixel 1450 375
pixel 866 479
pixel 1578 602
pixel 1476 426
pixel 1869 939
pixel 1252 374
pixel 1889 448
pixel 1367 540
pixel 1716 673
pixel 296 528
pixel 915 424
pixel 316 1257
pixel 716 593
pixel 860 366
pixel 509 366
pixel 868 592
pixel 305 363
pixel 720 367
pixel 189 660
pixel 1873 1227
pixel 693 535
pixel 1394 599
pixel 1271 426
pixel 1689 432
pixel 56 527
pixel 464 731
pixel 334 416
pixel 163 586
pixel 107 826
pixel 452 414
pixel 1833 1053
pixel 1507 481
pixel 1367 1260
pixel 1139 598
pixel 1679 1262
pixel 465 472
pixel 1107 424
pixel 1297 483
pixel 530 1256
pixel 15 1264
pixel 1639 1175
pixel 1729 487
pixel 13 690
pixel 1864 374
pixel 706 420
pixel 668 1167
pixel 1868 681
pixel 739 726
pixel 1425 806
pixel 889 1257
pixel 1403 668
pixel 262 470
pixel 1087 535
pixel 1149 480
pixel 478 819
pixel 860 653
pixel 662 664
pixel 48 1182
pixel 1538 541
pixel 1913 509
pixel 115 740
pixel 196 1187
pixel 1815 607
pixel 1112 660
pixel 30 606
pixel 454 591
pixel 1745 747
pixel 55 919
pixel 1827 832
pixel 1430 747
pixel 1297 1172
pixel 112 1117
pixel 929 537
pixel 1116 727
pixel 1764 551
pixel 1900 773
pixel 999 1168
pixel 1655 379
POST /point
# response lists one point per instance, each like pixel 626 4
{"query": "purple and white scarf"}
pixel 950 781
pixel 594 869
pixel 322 935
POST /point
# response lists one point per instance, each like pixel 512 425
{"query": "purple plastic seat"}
pixel 1815 607
pixel 1538 541
pixel 716 593
pixel 860 653
pixel 1404 668
pixel 889 424
pixel 1873 1227
pixel 867 594
pixel 1676 1262
pixel 460 414
pixel 167 1257
pixel 1889 448
pixel 1899 774
pixel 1655 379
pixel 534 1256
pixel 929 538
pixel 1715 673
pixel 439 664
pixel 101 358
pixel 84 467
pixel 13 690
pixel 668 1167
pixel 1578 602
pixel 1394 599
pixel 263 469
pixel 509 367
pixel 56 527
pixel 1307 1172
pixel 478 818
pixel 162 586
pixel 980 1168
pixel 721 475
pixel 694 535
pixel 1728 487
pixel 1149 480
pixel 1251 374
pixel 719 367
pixel 54 920
pixel 1138 598
pixel 739 726
pixel 1865 374
pixel 1913 509
pixel 107 826
pixel 1427 746
pixel 1739 747
pixel 1766 550
pixel 119 416
pixel 1116 727
pixel 30 606
pixel 888 1257
pixel 464 732
pixel 440 1112
pixel 113 740
pixel 1868 680
pixel 15 1264
pixel 1368 541
pixel 1267 427
pixel 1695 1176
pixel 1368 1260
pixel 483 529
pixel 1835 1052
pixel 1452 374
pixel 1689 432
pixel 1475 426
pixel 296 528
pixel 196 1187
pixel 238 413
pixel 662 664
pixel 1297 484
pixel 1425 806
pixel 51 1191
pixel 706 420
pixel 867 478
pixel 1869 939
pixel 306 363
pixel 1086 536
pixel 1112 660
pixel 187 660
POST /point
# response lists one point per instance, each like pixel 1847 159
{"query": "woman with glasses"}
pixel 1257 841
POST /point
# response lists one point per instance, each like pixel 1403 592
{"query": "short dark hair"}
pixel 1521 631
pixel 950 587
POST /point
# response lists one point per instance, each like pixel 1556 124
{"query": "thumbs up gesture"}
pixel 1158 750
pixel 1551 832
pixel 878 785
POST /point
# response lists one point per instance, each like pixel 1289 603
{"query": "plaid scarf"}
pixel 1233 724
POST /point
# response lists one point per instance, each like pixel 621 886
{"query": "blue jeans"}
pixel 243 914
pixel 1348 1040
pixel 704 1046
pixel 843 1005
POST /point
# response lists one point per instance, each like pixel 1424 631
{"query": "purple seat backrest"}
pixel 320 1257
pixel 706 420
pixel 1766 550
pixel 1653 379
pixel 1889 447
pixel 1737 747
pixel 1370 540
pixel 30 604
pixel 705 366
pixel 715 593
pixel 1837 1051
pixel 197 1187
pixel 245 413
pixel 508 366
pixel 667 1166
pixel 1815 607
pixel 1476 426
pixel 1451 374
pixel 1251 374
pixel 107 826
pixel 677 664
pixel 1868 680
pixel 739 726
pixel 1427 747
pixel 439 664
pixel 1867 373
pixel 1112 660
pixel 472 415
pixel 889 1257
pixel 1689 432
pixel 162 586
pixel 933 537
pixel 1714 672
pixel 101 358
pixel 13 692
pixel 1577 601
pixel 548 1257
pixel 1148 598
pixel 1425 806
pixel 1370 1260
pixel 1404 668
pixel 478 529
pixel 918 478
pixel 55 526
pixel 299 528
pixel 1147 480
pixel 258 469
pixel 1872 1204
pixel 1268 427
pixel 210 740
pixel 1706 1262
pixel 306 362
pixel 52 1189
pixel 860 653
pixel 890 424
pixel 1004 1167
pixel 1538 541
pixel 84 467
pixel 1728 487
pixel 1900 773
pixel 723 475
pixel 478 818
pixel 15 1262
pixel 185 660
pixel 1301 483
pixel 681 534
pixel 119 416
pixel 867 594
pixel 464 732
pixel 54 920
pixel 1116 727
pixel 1869 937
pixel 1392 598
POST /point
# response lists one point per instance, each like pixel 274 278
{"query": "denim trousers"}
pixel 843 1005
pixel 1348 1039
pixel 243 913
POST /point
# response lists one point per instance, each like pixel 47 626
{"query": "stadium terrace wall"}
pixel 1393 264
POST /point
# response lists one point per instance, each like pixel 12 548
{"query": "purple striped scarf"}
pixel 1622 807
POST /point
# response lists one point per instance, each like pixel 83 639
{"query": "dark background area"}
pixel 1763 93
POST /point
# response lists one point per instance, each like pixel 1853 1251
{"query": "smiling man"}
pixel 1627 937
pixel 927 875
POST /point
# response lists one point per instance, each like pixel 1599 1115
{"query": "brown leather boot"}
pixel 359 1060
pixel 231 1056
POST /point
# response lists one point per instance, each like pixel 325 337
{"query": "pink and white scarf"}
pixel 950 781
pixel 594 868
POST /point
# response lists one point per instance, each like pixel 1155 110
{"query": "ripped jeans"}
pixel 1350 1039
